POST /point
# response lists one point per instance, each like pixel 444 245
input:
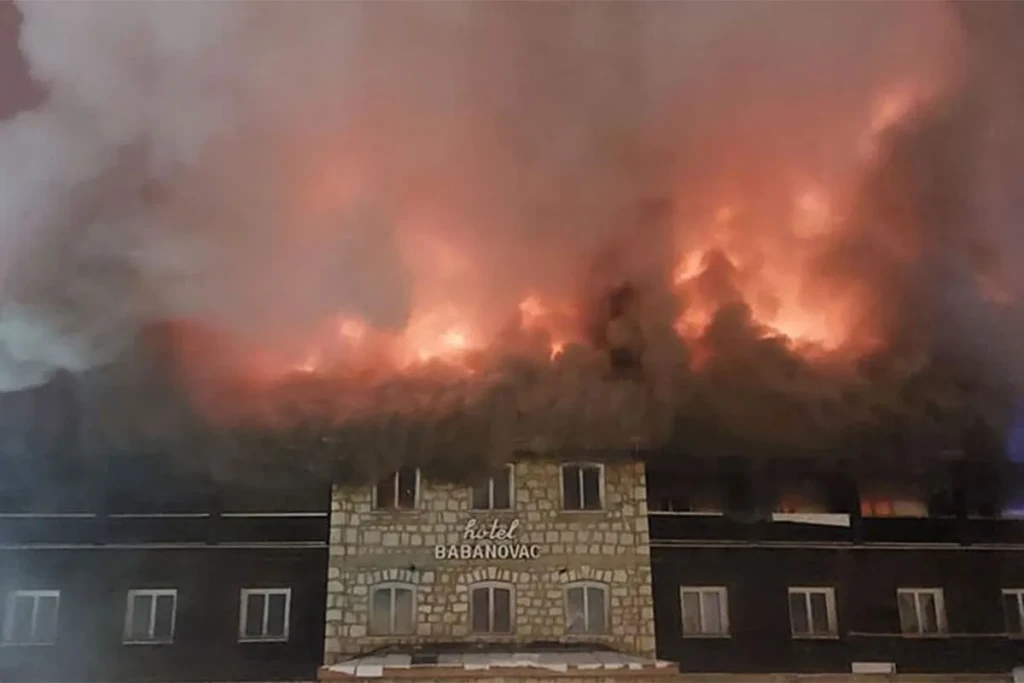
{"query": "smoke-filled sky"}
pixel 792 187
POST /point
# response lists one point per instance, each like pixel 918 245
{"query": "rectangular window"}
pixel 582 487
pixel 880 500
pixel 398 491
pixel 264 614
pixel 150 616
pixel 812 612
pixel 495 493
pixel 391 610
pixel 922 611
pixel 705 611
pixel 492 609
pixel 587 608
pixel 30 618
pixel 1013 609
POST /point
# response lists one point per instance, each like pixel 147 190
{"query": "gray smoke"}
pixel 259 167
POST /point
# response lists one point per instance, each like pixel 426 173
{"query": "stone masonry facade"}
pixel 607 548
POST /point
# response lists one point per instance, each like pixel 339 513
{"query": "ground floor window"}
pixel 264 614
pixel 1013 609
pixel 705 611
pixel 392 609
pixel 30 618
pixel 812 612
pixel 587 608
pixel 149 616
pixel 922 611
pixel 491 606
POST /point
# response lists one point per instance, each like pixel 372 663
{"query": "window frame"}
pixel 723 610
pixel 243 613
pixel 129 612
pixel 831 613
pixel 490 587
pixel 392 586
pixel 1017 593
pixel 939 597
pixel 375 506
pixel 600 486
pixel 8 624
pixel 510 468
pixel 603 587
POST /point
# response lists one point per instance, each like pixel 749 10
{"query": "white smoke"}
pixel 216 160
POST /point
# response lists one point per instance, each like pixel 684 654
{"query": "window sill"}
pixel 828 636
pixel 278 639
pixel 27 644
pixel 147 642
pixel 685 513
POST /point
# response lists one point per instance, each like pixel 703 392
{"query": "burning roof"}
pixel 451 230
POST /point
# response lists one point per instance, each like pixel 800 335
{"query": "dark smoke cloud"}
pixel 385 157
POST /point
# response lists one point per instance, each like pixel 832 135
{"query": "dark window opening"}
pixel 581 487
pixel 398 491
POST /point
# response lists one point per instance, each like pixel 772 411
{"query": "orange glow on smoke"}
pixel 764 242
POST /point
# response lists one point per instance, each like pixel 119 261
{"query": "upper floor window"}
pixel 922 611
pixel 812 612
pixel 30 618
pixel 705 610
pixel 886 501
pixel 587 608
pixel 582 487
pixel 802 498
pixel 150 615
pixel 495 493
pixel 264 614
pixel 1013 609
pixel 392 607
pixel 491 605
pixel 398 491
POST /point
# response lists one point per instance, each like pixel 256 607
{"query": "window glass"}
pixel 276 614
pixel 502 610
pixel 480 607
pixel 403 611
pixel 163 620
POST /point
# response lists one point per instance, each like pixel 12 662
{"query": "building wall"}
pixel 865 582
pixel 609 546
pixel 94 583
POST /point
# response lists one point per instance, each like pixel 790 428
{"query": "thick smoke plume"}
pixel 416 225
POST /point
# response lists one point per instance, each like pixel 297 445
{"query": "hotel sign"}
pixel 495 542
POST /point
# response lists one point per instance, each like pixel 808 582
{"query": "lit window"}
pixel 802 498
pixel 582 487
pixel 150 616
pixel 1013 609
pixel 705 611
pixel 694 502
pixel 922 611
pixel 31 618
pixel 264 614
pixel 882 501
pixel 399 491
pixel 587 608
pixel 496 492
pixel 392 606
pixel 812 612
pixel 491 606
